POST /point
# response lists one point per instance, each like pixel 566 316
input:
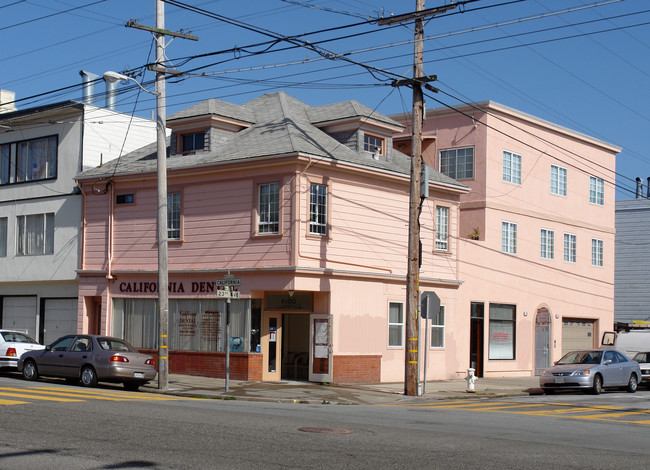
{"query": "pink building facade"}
pixel 308 207
pixel 536 237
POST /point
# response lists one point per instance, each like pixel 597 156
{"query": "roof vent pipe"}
pixel 639 188
pixel 88 81
pixel 111 90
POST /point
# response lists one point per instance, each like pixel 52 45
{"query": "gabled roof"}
pixel 280 125
pixel 347 110
pixel 217 108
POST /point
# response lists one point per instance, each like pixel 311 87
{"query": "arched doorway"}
pixel 542 339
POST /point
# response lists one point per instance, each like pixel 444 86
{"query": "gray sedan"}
pixel 593 370
pixel 90 359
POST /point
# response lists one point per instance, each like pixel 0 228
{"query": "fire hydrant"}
pixel 471 379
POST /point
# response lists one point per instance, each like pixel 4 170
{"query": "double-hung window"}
pixel 511 167
pixel 438 328
pixel 596 252
pixel 570 243
pixel 442 228
pixel 36 159
pixel 457 163
pixel 318 209
pixel 547 243
pixel 395 324
pixel 558 180
pixel 35 234
pixel 174 216
pixel 3 237
pixel 268 208
pixel 596 190
pixel 509 238
pixel 5 163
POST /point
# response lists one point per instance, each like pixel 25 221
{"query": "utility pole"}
pixel 159 33
pixel 411 363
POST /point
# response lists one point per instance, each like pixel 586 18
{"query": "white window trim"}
pixel 315 224
pixel 48 226
pixel 512 237
pixel 180 216
pixel 561 189
pixel 442 232
pixel 599 191
pixel 513 175
pixel 402 326
pixel 439 327
pixel 574 237
pixel 597 252
pixel 546 251
pixel 261 223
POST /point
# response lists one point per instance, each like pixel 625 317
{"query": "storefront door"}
pixel 272 346
pixel 320 354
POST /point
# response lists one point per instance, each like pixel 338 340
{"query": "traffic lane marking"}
pixel 37 397
pixel 96 394
pixel 12 402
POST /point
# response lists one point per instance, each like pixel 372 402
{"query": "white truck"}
pixel 628 342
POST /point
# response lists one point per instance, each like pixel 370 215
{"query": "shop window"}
pixel 502 331
pixel 36 159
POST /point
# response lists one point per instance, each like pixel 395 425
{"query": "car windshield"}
pixel 581 357
pixel 642 357
pixel 16 337
pixel 111 344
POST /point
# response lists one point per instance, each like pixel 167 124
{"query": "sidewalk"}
pixel 360 394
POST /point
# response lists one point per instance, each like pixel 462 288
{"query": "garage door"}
pixel 60 318
pixel 19 313
pixel 577 334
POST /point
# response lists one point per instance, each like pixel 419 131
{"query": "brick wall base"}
pixel 356 369
pixel 243 366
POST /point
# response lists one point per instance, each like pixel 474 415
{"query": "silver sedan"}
pixel 90 359
pixel 592 370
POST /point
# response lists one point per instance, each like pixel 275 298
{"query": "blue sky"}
pixel 582 64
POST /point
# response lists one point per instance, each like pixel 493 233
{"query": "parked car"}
pixel 591 370
pixel 13 344
pixel 90 359
pixel 643 358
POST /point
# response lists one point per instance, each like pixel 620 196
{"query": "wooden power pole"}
pixel 411 363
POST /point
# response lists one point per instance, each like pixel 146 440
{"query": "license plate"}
pixel 559 380
pixel 138 375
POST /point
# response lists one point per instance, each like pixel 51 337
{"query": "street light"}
pixel 113 77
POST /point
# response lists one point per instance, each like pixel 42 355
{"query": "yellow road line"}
pixel 12 402
pixel 37 397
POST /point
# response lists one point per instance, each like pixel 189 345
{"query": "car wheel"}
pixel 549 391
pixel 632 385
pixel 88 377
pixel 30 371
pixel 132 386
pixel 598 385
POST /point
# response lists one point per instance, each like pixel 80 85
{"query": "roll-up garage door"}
pixel 577 334
pixel 19 313
pixel 60 318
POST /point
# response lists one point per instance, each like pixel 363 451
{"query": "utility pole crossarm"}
pixel 410 81
pixel 165 32
pixel 415 15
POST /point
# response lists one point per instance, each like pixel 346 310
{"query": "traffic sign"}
pixel 228 293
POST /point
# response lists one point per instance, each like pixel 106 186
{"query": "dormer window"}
pixel 194 141
pixel 374 145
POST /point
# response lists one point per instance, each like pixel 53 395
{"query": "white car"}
pixel 643 358
pixel 13 344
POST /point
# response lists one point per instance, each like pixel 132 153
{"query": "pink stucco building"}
pixel 308 206
pixel 536 236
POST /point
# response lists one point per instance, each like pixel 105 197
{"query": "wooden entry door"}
pixel 272 346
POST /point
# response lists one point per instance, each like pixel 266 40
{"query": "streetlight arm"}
pixel 112 77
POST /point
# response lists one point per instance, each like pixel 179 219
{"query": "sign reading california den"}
pixel 144 287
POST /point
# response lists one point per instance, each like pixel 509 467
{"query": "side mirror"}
pixel 607 362
pixel 48 347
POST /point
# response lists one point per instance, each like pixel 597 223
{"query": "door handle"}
pixel 84 357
